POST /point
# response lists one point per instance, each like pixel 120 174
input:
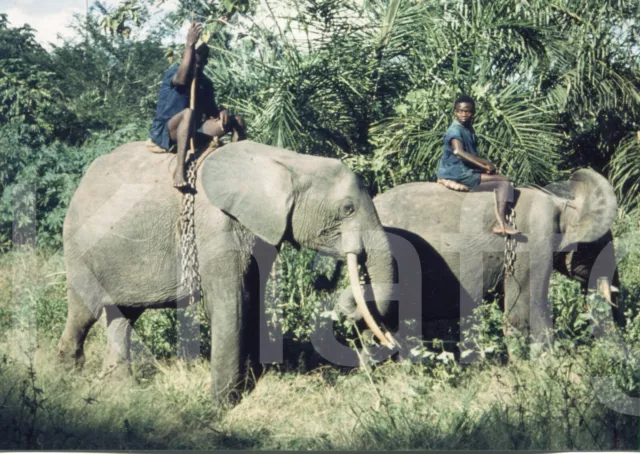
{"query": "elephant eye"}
pixel 348 208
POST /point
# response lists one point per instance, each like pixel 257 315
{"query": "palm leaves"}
pixel 373 82
pixel 625 171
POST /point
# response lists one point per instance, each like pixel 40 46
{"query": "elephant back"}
pixel 435 213
pixel 408 205
pixel 127 180
pixel 132 163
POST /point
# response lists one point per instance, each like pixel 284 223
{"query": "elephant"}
pixel 565 227
pixel 122 244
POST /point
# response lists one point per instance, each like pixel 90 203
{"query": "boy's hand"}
pixel 193 35
pixel 491 169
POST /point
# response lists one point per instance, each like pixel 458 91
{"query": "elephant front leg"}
pixel 233 298
pixel 516 310
pixel 227 353
pixel 528 319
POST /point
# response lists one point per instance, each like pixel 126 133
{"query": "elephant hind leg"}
pixel 117 358
pixel 80 318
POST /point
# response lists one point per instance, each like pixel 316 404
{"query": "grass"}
pixel 546 403
pixel 520 406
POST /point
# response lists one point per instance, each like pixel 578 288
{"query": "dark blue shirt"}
pixel 174 99
pixel 451 167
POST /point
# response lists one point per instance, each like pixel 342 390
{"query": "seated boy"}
pixel 461 163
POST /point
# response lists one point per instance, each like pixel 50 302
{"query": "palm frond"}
pixel 625 172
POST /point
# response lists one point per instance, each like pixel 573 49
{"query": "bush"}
pixel 38 182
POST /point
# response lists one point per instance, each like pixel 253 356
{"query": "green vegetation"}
pixel 371 83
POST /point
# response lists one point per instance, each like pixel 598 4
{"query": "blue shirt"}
pixel 174 99
pixel 451 167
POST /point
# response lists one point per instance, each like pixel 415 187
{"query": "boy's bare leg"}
pixel 504 194
pixel 180 127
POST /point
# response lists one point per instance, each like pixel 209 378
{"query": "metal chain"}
pixel 510 245
pixel 190 267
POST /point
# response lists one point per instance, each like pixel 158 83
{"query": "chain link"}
pixel 510 245
pixel 190 267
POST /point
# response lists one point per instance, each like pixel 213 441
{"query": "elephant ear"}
pixel 246 180
pixel 592 208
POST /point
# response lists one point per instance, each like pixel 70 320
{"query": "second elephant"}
pixel 566 228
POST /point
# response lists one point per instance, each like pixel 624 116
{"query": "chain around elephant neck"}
pixel 190 266
pixel 510 245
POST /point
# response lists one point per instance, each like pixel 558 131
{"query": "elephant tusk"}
pixel 604 289
pixel 386 339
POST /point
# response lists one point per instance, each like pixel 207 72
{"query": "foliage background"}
pixel 369 82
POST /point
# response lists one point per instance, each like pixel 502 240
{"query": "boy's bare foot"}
pixel 178 180
pixel 505 230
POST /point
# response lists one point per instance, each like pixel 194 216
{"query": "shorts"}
pixel 470 179
pixel 160 135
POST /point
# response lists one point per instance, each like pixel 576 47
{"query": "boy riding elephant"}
pixel 175 122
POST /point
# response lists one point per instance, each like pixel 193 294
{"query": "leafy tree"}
pixel 99 88
pixel 110 80
pixel 30 98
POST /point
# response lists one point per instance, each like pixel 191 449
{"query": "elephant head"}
pixel 587 206
pixel 307 200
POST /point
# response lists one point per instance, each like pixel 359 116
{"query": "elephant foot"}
pixel 70 359
pixel 226 399
pixel 70 363
pixel 537 351
pixel 516 344
pixel 115 366
pixel 116 371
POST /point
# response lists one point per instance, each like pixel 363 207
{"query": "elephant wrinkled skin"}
pixel 121 242
pixel 462 260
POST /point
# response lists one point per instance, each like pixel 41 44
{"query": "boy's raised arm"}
pixel 182 76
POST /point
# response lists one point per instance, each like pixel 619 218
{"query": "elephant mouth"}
pixel 385 339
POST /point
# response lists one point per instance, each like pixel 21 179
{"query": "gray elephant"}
pixel 122 243
pixel 565 227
